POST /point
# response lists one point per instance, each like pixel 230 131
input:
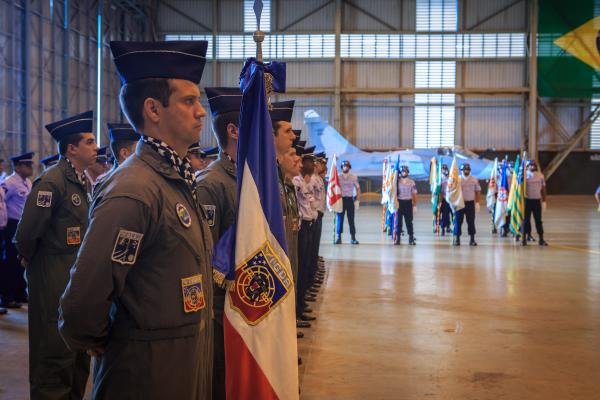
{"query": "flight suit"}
pixel 141 287
pixel 48 236
pixel 217 195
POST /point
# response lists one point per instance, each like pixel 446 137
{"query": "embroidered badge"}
pixel 184 215
pixel 193 294
pixel 44 199
pixel 73 235
pixel 210 211
pixel 261 283
pixel 75 199
pixel 127 247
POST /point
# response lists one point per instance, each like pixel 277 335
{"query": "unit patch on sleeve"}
pixel 44 199
pixel 73 235
pixel 127 247
pixel 75 199
pixel 193 294
pixel 210 211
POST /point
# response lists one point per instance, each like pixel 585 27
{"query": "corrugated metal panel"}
pixel 570 118
pixel 171 17
pixel 376 127
pixel 389 11
pixel 492 74
pixel 231 15
pixel 513 19
pixel 371 74
pixel 229 73
pixel 498 127
pixel 290 10
pixel 309 74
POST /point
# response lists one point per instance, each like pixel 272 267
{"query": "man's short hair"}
pixel 63 145
pixel 219 124
pixel 117 145
pixel 276 125
pixel 133 95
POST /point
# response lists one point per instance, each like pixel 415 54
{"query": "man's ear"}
pixel 151 110
pixel 232 131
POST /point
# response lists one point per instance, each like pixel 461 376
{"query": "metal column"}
pixel 533 116
pixel 337 106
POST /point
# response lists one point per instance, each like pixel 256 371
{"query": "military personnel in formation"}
pixel 97 170
pixel 16 189
pixel 350 192
pixel 407 203
pixel 49 161
pixel 3 222
pixel 535 203
pixel 48 237
pixel 471 191
pixel 140 294
pixel 445 210
pixel 2 172
pixel 217 195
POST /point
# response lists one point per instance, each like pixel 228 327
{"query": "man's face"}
pixel 532 167
pixel 283 137
pixel 288 163
pixel 445 171
pixel 345 168
pixel 85 151
pixel 98 168
pixel 466 171
pixel 184 117
pixel 404 173
pixel 24 169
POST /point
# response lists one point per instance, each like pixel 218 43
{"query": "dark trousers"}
pixel 348 204
pixel 305 239
pixel 316 243
pixel 405 211
pixel 218 376
pixel 533 206
pixel 445 214
pixel 12 280
pixel 469 212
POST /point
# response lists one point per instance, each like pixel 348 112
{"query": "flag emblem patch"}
pixel 127 247
pixel 210 210
pixel 73 235
pixel 261 283
pixel 184 215
pixel 193 294
pixel 44 199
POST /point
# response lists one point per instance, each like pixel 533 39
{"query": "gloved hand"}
pixel 477 207
pixel 356 204
pixel 414 210
pixel 544 206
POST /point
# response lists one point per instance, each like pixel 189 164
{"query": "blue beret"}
pixel 122 132
pixel 80 123
pixel 50 160
pixel 183 59
pixel 223 99
pixel 282 111
pixel 25 157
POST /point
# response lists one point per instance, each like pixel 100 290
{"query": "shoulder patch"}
pixel 127 247
pixel 210 211
pixel 44 199
pixel 193 294
pixel 184 215
pixel 75 199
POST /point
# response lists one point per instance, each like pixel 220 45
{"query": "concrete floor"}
pixel 436 322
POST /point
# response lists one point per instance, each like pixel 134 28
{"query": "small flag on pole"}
pixel 454 195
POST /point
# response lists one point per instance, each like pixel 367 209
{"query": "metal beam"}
pixel 184 15
pixel 580 133
pixel 553 120
pixel 533 115
pixel 492 15
pixel 372 16
pixel 408 90
pixel 308 14
pixel 337 94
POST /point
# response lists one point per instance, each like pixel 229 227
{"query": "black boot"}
pixel 494 230
pixel 456 241
pixel 530 238
pixel 472 242
pixel 354 241
pixel 542 242
pixel 411 240
pixel 397 240
pixel 338 240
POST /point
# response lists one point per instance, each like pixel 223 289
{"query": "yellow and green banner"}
pixel 569 48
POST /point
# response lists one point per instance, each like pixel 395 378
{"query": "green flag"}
pixel 568 48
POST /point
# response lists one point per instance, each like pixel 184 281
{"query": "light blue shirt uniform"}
pixel 469 185
pixel 17 189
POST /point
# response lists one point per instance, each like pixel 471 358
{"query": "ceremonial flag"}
pixel 518 209
pixel 513 184
pixel 259 320
pixel 435 183
pixel 492 187
pixel 334 189
pixel 502 200
pixel 384 182
pixel 393 188
pixel 454 195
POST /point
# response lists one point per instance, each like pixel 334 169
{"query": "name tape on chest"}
pixel 210 211
pixel 127 247
pixel 193 294
pixel 44 199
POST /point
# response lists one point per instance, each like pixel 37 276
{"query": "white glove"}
pixel 414 210
pixel 544 206
pixel 477 207
pixel 356 204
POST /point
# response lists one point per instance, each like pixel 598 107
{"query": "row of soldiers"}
pixel 448 220
pixel 122 271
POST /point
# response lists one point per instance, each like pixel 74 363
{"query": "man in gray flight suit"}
pixel 49 234
pixel 217 195
pixel 140 294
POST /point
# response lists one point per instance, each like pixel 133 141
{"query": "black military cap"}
pixel 50 160
pixel 282 111
pixel 24 158
pixel 210 152
pixel 182 59
pixel 102 155
pixel 465 166
pixel 223 99
pixel 122 132
pixel 80 123
pixel 297 132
